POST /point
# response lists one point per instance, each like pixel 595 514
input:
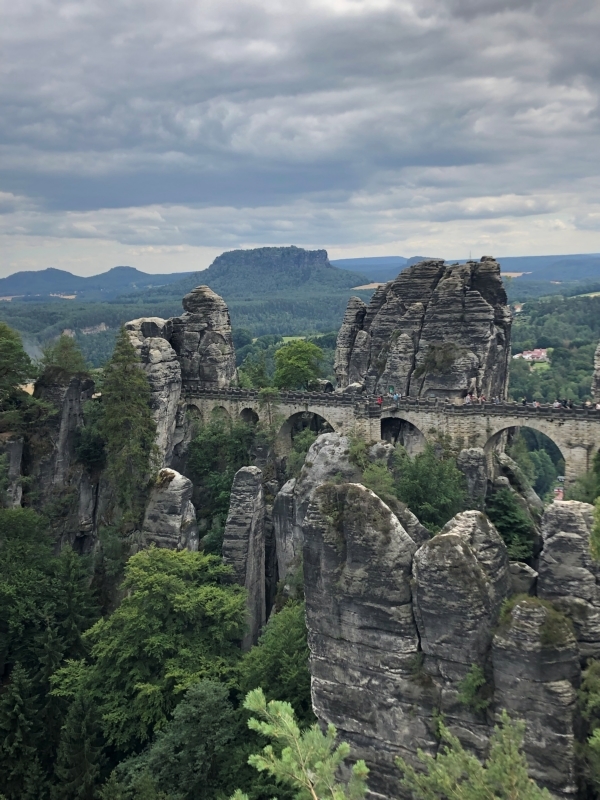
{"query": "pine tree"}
pixel 309 760
pixel 458 775
pixel 128 427
pixel 80 760
pixel 75 609
pixel 65 355
pixel 51 651
pixel 19 735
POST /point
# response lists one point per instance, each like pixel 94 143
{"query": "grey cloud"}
pixel 235 114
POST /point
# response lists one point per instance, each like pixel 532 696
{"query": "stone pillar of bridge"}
pixel 577 462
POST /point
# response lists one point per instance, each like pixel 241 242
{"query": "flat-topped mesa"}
pixel 202 339
pixel 437 330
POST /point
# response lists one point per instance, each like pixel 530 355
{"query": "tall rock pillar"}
pixel 244 545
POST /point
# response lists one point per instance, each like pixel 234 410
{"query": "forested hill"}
pixel 244 274
pixel 107 285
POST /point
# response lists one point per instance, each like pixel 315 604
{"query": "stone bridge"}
pixel 413 422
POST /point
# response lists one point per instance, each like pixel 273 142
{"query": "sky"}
pixel 159 134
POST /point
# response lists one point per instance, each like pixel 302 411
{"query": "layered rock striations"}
pixel 596 376
pixel 163 369
pixel 170 518
pixel 202 339
pixel 244 545
pixel 396 628
pixel 436 330
pixel 362 634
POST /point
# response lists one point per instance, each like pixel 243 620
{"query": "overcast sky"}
pixel 158 133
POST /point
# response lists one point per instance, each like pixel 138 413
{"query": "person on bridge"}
pixel 379 401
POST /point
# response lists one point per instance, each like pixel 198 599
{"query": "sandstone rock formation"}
pixel 394 629
pixel 568 576
pixel 244 545
pixel 472 462
pixel 596 376
pixel 536 668
pixel 461 578
pixel 436 330
pixel 11 450
pixel 202 339
pixel 164 376
pixel 327 458
pixel 170 518
pixel 362 635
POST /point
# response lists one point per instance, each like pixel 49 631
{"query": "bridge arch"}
pixel 249 416
pixel 398 430
pixel 297 422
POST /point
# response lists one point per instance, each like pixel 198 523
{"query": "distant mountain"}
pixel 266 272
pixel 107 285
pixel 378 268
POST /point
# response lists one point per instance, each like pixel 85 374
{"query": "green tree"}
pixel 253 372
pixel 457 775
pixel 512 523
pixel 545 472
pixel 297 365
pixel 128 427
pixel 16 370
pixel 431 486
pixel 19 735
pixel 178 623
pixel 191 756
pixel 309 760
pixel 80 761
pixel 75 609
pixel 280 661
pixel 300 447
pixel 64 354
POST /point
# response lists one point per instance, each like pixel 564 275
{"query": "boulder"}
pixel 523 578
pixel 170 518
pixel 436 330
pixel 536 662
pixel 244 545
pixel 568 576
pixel 164 376
pixel 363 642
pixel 202 340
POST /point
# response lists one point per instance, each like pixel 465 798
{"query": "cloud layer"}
pixel 365 126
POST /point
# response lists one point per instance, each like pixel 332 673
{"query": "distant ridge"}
pixel 107 285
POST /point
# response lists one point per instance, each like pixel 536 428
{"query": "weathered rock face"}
pixel 244 545
pixel 536 665
pixel 11 448
pixel 202 339
pixel 170 518
pixel 164 376
pixel 62 487
pixel 568 576
pixel 362 635
pixel 327 458
pixel 461 578
pixel 596 377
pixel 435 330
pixel 472 462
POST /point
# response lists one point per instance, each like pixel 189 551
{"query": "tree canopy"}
pixel 297 365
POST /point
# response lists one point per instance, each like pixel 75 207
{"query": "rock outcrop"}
pixel 327 458
pixel 472 462
pixel 11 451
pixel 162 367
pixel 568 576
pixel 244 545
pixel 596 376
pixel 437 330
pixel 395 628
pixel 202 339
pixel 461 578
pixel 362 635
pixel 536 668
pixel 170 518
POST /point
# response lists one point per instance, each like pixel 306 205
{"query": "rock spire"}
pixel 437 330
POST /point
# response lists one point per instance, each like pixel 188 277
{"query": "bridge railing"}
pixel 368 405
